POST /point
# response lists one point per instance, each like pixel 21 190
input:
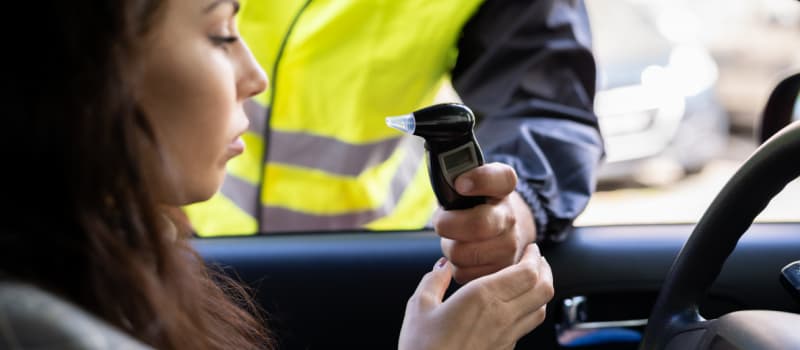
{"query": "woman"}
pixel 127 108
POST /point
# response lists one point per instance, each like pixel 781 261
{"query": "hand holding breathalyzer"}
pixel 486 229
pixel 485 225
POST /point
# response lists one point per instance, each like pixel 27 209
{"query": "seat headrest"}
pixel 31 318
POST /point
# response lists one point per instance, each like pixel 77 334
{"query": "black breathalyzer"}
pixel 451 148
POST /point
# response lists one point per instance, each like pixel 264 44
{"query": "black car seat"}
pixel 31 318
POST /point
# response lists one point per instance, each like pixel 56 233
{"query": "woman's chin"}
pixel 194 195
pixel 202 195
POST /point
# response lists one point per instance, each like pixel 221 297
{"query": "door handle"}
pixel 574 330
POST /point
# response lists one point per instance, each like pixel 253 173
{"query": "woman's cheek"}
pixel 212 172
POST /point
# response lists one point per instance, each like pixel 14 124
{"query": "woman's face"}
pixel 197 75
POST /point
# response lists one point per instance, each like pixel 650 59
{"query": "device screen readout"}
pixel 458 159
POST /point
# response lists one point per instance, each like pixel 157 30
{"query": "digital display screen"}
pixel 452 161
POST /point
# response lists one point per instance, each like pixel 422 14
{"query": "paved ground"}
pixel 686 200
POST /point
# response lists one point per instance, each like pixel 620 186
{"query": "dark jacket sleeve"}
pixel 526 69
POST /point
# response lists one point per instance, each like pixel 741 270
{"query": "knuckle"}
pixel 509 219
pixel 445 223
pixel 422 297
pixel 447 248
pixel 535 249
pixel 548 291
pixel 540 315
pixel 529 273
pixel 510 177
pixel 438 223
pixel 426 298
pixel 483 293
pixel 505 253
pixel 509 242
pixel 482 223
pixel 412 301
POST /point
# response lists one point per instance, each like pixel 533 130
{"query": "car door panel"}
pixel 349 289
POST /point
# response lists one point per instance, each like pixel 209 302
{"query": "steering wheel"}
pixel 675 322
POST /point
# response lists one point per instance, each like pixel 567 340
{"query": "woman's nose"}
pixel 253 80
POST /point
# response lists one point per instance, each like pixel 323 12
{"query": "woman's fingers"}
pixel 540 293
pixel 528 322
pixel 432 287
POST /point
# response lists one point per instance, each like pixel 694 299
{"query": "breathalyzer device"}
pixel 451 148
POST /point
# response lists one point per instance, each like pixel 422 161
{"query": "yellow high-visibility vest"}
pixel 319 155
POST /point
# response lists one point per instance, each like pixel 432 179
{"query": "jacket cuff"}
pixel 546 229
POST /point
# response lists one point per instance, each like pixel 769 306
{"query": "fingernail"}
pixel 464 185
pixel 440 264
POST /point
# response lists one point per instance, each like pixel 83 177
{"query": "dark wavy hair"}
pixel 83 221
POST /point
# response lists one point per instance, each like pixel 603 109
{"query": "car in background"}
pixel 656 99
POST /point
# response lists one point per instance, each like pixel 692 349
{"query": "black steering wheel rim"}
pixel 747 193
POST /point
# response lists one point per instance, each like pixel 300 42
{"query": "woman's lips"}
pixel 235 148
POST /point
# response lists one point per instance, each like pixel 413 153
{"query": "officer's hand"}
pixel 491 236
pixel 491 312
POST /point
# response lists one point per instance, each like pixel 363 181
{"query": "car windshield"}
pixel 682 84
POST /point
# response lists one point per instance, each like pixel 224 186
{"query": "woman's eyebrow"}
pixel 216 3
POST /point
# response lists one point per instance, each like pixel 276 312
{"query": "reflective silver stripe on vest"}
pixel 329 155
pixel 243 194
pixel 275 219
pixel 318 152
pixel 256 114
pixel 278 219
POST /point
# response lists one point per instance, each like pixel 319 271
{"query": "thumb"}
pixel 431 289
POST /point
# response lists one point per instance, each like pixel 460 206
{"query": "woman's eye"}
pixel 223 40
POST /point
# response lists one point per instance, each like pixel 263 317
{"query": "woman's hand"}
pixel 491 312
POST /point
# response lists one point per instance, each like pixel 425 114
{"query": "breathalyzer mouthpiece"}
pixel 405 123
pixel 438 123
